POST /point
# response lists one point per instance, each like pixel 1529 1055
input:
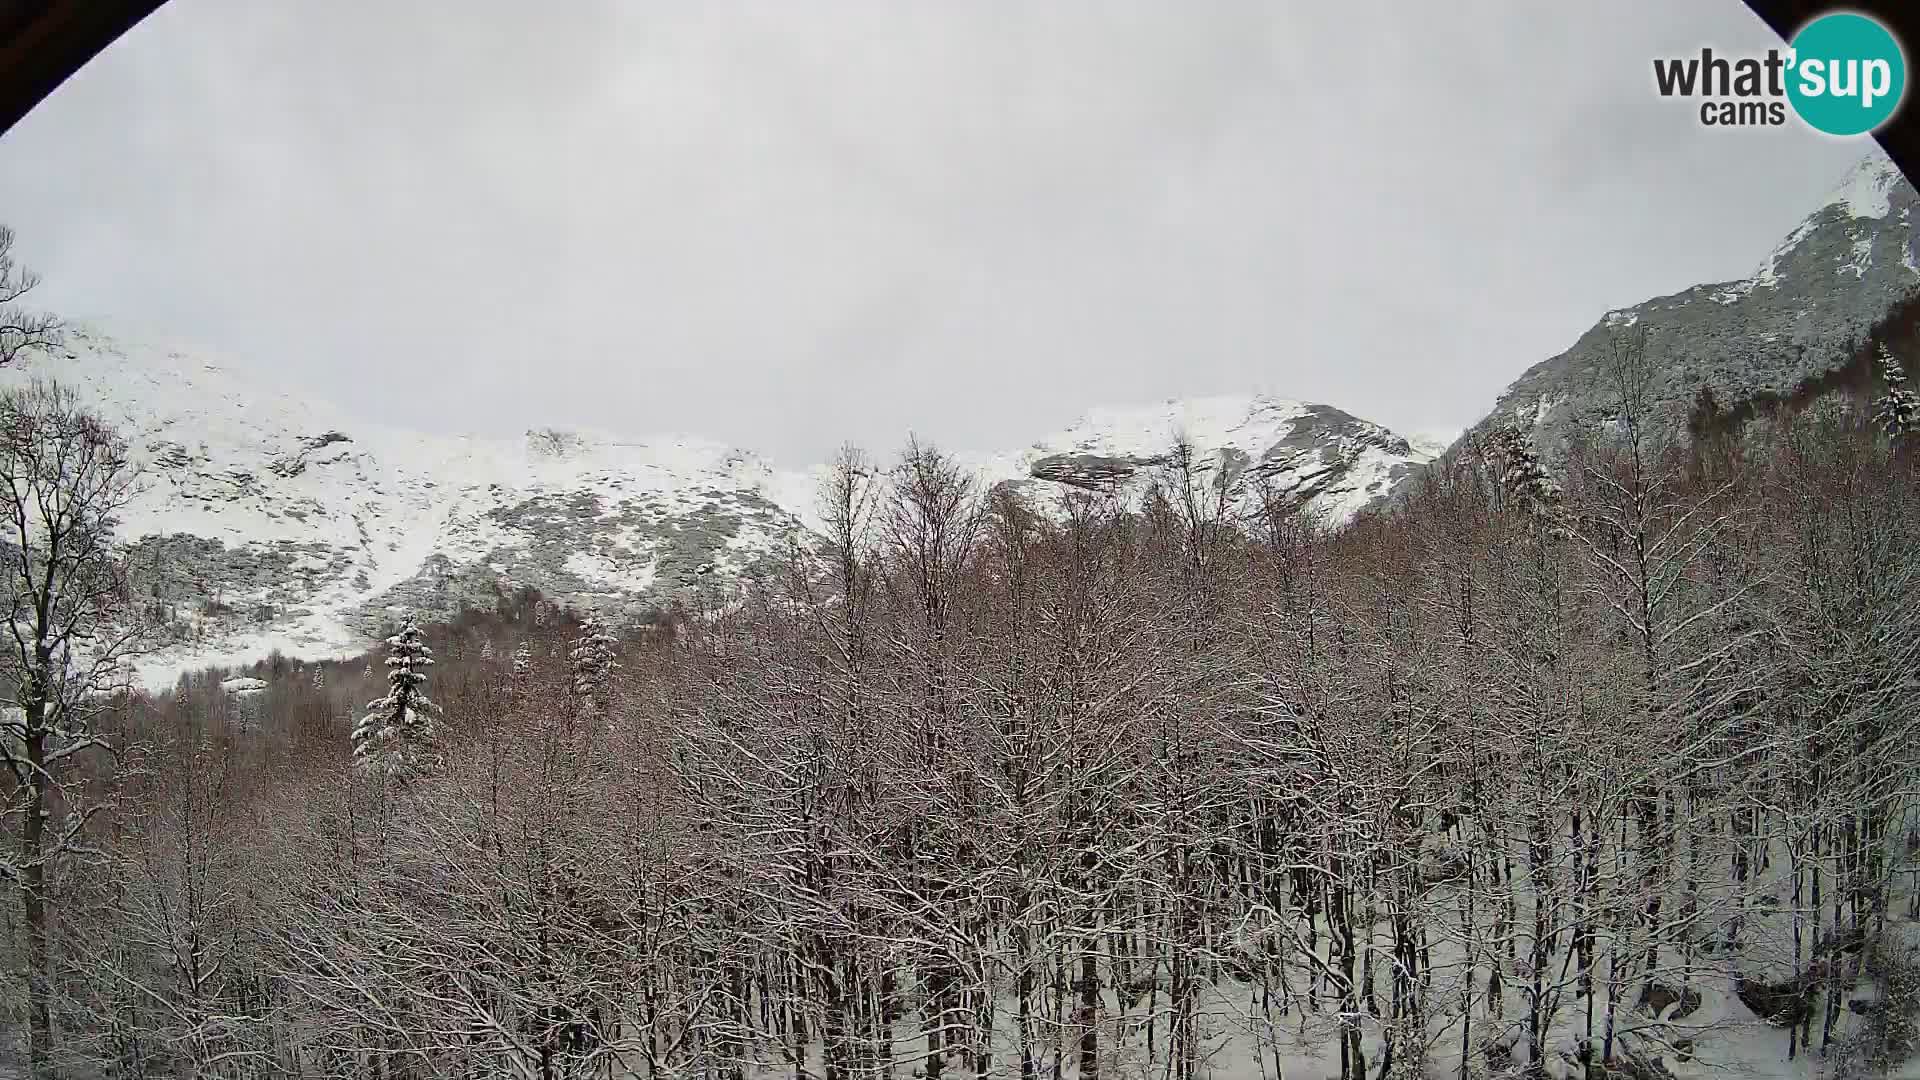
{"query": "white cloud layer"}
pixel 784 225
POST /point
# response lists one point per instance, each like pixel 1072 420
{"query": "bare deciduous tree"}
pixel 64 478
pixel 21 330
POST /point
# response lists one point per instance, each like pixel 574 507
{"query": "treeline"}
pixel 1591 771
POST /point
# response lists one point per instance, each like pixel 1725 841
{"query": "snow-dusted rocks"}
pixel 1327 461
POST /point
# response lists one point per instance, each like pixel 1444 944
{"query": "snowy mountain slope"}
pixel 1800 316
pixel 267 522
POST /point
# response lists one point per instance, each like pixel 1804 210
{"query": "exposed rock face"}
pixel 1326 461
pixel 1805 314
pixel 1091 472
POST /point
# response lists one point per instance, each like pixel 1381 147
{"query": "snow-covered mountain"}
pixel 1327 461
pixel 268 522
pixel 1786 331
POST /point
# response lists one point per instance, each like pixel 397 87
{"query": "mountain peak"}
pixel 1865 192
pixel 1868 193
pixel 1321 459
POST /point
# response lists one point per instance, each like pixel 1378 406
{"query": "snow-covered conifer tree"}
pixel 522 660
pixel 1517 469
pixel 1898 410
pixel 592 662
pixel 395 737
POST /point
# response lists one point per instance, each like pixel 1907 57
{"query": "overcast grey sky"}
pixel 787 224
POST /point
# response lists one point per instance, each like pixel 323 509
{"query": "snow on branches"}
pixel 592 663
pixel 1896 412
pixel 1517 470
pixel 395 737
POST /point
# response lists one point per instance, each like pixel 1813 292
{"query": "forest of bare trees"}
pixel 1600 770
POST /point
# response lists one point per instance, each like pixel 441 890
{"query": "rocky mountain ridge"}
pixel 1805 315
pixel 266 522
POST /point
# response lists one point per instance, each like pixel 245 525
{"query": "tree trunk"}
pixel 1089 1013
pixel 33 879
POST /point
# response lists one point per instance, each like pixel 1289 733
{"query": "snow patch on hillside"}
pixel 1434 441
pixel 309 640
pixel 1150 430
pixel 1865 191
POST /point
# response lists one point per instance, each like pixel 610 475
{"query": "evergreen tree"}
pixel 592 662
pixel 395 737
pixel 522 660
pixel 1898 410
pixel 1519 473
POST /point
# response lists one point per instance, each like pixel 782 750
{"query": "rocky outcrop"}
pixel 1323 460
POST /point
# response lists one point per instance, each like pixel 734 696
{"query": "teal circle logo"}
pixel 1847 74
